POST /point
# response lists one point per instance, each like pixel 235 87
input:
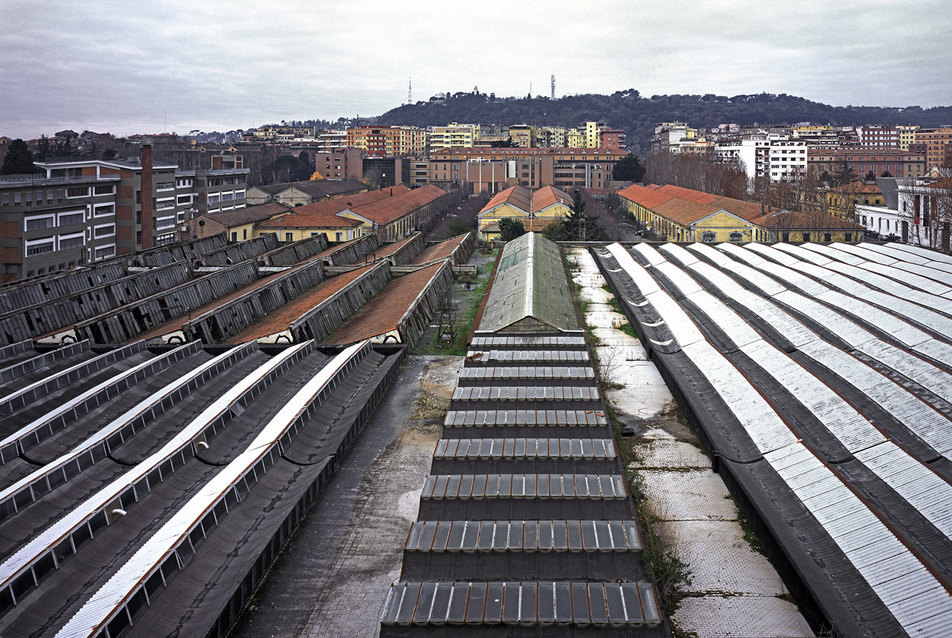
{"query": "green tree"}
pixel 579 225
pixel 18 160
pixel 844 174
pixel 43 149
pixel 457 227
pixel 304 168
pixel 510 229
pixel 628 169
pixel 283 168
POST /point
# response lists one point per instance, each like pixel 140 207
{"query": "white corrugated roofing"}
pixel 873 549
pixel 116 591
pixel 41 543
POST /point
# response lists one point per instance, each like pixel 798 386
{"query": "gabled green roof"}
pixel 530 291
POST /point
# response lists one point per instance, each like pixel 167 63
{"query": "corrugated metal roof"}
pixel 528 536
pixel 530 289
pixel 526 602
pixel 879 553
pixel 525 448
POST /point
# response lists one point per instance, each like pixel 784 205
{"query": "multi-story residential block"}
pixel 387 141
pixel 575 138
pixel 453 135
pixel 877 137
pixel 553 136
pixel 611 138
pixel 772 156
pixel 330 141
pixel 938 146
pixel 815 136
pixel 375 141
pixel 346 163
pixel 846 137
pixel 284 133
pixel 671 136
pixel 411 141
pixel 591 135
pixel 524 135
pixel 55 223
pixel 892 161
pixel 907 136
pixel 217 191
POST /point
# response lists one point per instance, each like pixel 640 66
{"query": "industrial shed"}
pixel 529 291
pixel 525 526
pixel 145 491
pixel 820 379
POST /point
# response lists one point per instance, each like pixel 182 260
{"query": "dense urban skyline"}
pixel 175 66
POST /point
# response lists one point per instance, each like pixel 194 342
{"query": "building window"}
pixel 827 237
pixel 288 236
pixel 736 236
pixel 806 237
pixel 106 230
pixel 849 236
pixel 234 235
pixel 72 217
pixel 105 189
pixel 67 242
pixel 39 223
pixel 103 210
pixel 785 237
pixel 77 191
pixel 339 236
pixel 40 246
pixel 104 252
pixel 709 237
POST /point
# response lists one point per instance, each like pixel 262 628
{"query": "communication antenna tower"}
pixel 553 86
pixel 410 91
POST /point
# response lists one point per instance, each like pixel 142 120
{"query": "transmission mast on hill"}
pixel 410 91
pixel 553 86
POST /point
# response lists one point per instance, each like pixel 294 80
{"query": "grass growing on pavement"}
pixel 469 301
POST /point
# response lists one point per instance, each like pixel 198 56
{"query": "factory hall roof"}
pixel 530 290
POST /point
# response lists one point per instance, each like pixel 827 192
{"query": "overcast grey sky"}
pixel 171 65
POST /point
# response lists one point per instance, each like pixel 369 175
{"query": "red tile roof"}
pixel 387 210
pixel 325 214
pixel 549 195
pixel 686 206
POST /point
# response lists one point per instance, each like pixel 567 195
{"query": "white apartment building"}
pixel 877 136
pixel 768 155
